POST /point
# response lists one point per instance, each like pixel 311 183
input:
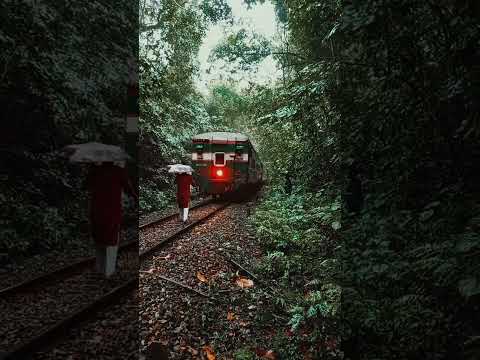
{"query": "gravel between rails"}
pixel 151 235
pixel 184 321
pixel 24 315
pixel 112 335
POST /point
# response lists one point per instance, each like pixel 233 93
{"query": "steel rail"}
pixel 51 334
pixel 161 243
pixel 171 216
pixel 79 265
pixel 60 273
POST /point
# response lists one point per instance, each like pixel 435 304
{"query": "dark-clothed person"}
pixel 184 182
pixel 106 183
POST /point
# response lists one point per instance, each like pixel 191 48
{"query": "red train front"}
pixel 224 162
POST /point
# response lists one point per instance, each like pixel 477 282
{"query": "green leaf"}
pixel 424 216
pixel 469 287
pixel 467 243
pixel 336 225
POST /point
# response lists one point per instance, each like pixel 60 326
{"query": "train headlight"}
pixel 219 172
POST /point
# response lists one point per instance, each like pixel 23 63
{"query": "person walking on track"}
pixel 184 182
pixel 106 181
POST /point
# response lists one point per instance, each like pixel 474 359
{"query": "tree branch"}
pixel 289 53
pixel 145 28
pixel 158 25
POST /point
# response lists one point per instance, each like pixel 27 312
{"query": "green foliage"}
pixel 322 304
pixel 62 82
pixel 244 354
pixel 79 104
pixel 246 49
pixel 35 228
pixel 226 108
pixel 411 222
pixel 295 127
pixel 389 84
pixel 400 248
pixel 171 109
pixel 297 233
pixel 154 200
pixel 216 10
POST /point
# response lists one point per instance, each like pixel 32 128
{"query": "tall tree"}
pixel 171 109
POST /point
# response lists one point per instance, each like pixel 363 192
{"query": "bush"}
pixel 32 228
pixel 154 200
pixel 297 231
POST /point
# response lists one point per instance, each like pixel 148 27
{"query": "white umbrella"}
pixel 96 152
pixel 180 169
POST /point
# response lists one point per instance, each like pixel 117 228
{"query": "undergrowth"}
pixel 298 232
pixel 409 279
pixel 152 199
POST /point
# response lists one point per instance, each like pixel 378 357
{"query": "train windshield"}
pixel 219 159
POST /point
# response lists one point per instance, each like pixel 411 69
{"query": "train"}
pixel 224 163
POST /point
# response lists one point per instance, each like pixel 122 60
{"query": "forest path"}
pixel 233 317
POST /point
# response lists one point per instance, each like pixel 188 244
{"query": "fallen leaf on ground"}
pixel 269 355
pixel 230 316
pixel 209 352
pixel 201 277
pixel 260 352
pixel 244 282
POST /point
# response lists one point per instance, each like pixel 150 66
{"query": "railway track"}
pixel 188 287
pixel 34 333
pixel 160 219
pixel 149 244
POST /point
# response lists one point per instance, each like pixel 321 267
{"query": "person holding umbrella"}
pixel 184 181
pixel 106 181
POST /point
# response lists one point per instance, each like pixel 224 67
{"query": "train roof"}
pixel 221 136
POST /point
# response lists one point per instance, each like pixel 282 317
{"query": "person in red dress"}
pixel 106 183
pixel 184 182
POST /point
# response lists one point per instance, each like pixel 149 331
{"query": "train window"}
pixel 219 159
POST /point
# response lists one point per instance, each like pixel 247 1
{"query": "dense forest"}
pixel 63 82
pixel 370 141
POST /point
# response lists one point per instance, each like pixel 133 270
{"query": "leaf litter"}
pixel 191 325
pixel 244 282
